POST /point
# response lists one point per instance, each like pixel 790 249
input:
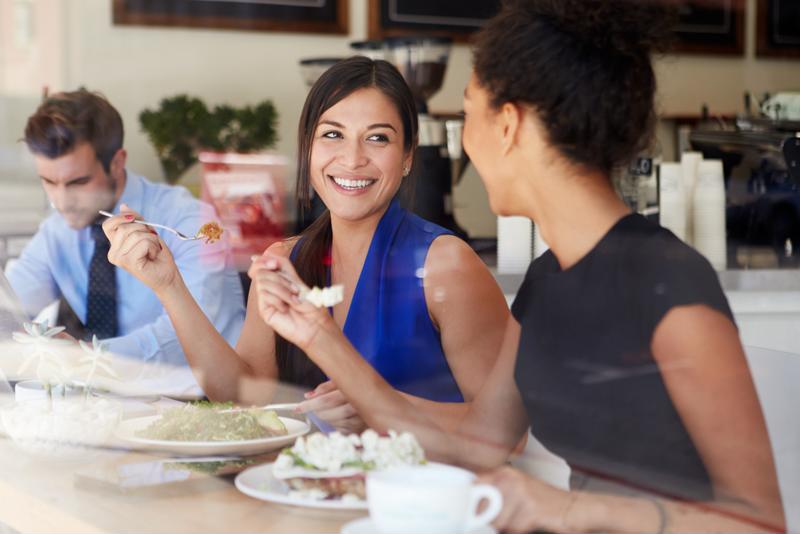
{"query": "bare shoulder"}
pixel 452 267
pixel 284 247
pixel 449 255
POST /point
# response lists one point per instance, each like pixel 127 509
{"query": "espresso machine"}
pixel 312 68
pixel 439 161
pixel 371 49
pixel 761 165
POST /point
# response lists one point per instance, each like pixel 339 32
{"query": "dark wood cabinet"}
pixel 451 18
pixel 318 16
pixel 710 26
pixel 704 26
pixel 778 28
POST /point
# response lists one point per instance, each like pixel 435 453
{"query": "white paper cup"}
pixel 709 213
pixel 672 213
pixel 514 235
pixel 689 167
pixel 429 499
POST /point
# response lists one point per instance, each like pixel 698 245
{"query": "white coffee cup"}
pixel 429 499
pixel 29 390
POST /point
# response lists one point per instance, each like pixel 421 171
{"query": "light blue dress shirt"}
pixel 56 261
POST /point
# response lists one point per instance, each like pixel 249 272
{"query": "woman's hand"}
pixel 528 504
pixel 278 290
pixel 138 249
pixel 330 405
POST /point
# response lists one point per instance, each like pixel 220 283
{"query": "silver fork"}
pixel 180 235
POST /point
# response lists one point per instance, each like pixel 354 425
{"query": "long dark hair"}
pixel 312 250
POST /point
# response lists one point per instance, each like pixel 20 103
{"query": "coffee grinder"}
pixel 370 49
pixel 439 160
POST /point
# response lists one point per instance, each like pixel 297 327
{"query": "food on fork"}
pixel 326 296
pixel 214 422
pixel 334 466
pixel 212 231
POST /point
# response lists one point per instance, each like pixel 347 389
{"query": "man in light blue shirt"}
pixel 76 140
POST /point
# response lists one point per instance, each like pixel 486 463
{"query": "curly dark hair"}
pixel 584 66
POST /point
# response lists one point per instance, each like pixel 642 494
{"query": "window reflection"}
pixel 719 175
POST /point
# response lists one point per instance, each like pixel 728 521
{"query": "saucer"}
pixel 366 526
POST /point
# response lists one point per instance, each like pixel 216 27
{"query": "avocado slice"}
pixel 269 419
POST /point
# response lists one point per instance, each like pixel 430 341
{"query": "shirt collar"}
pixel 132 194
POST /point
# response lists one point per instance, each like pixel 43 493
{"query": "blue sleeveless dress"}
pixel 388 320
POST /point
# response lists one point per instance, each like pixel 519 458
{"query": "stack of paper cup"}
pixel 672 211
pixel 709 213
pixel 539 245
pixel 689 164
pixel 513 244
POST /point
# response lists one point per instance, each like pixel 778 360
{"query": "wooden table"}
pixel 75 496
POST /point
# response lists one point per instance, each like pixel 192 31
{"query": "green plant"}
pixel 182 126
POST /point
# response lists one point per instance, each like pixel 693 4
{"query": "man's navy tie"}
pixel 101 299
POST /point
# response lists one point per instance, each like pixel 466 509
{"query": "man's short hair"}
pixel 66 119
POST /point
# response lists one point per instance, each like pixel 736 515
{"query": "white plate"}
pixel 259 482
pixel 126 431
pixel 366 526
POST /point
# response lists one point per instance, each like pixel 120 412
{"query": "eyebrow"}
pixel 332 123
pixel 370 127
pixel 78 179
pixel 382 125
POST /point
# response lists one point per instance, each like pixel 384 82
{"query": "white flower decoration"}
pixel 42 345
pixel 96 357
pixel 40 333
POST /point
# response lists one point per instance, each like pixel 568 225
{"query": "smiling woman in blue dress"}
pixel 403 306
pixel 623 356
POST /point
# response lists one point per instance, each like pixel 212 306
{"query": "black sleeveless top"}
pixel 592 390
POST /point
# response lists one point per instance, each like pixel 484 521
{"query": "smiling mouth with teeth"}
pixel 352 185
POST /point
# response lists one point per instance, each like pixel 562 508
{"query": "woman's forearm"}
pixel 384 408
pixel 214 362
pixel 447 415
pixel 593 512
pixel 450 416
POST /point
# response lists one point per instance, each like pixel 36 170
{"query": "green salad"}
pixel 214 422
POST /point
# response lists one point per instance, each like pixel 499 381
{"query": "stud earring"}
pixel 406 170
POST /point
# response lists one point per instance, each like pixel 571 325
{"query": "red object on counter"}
pixel 247 191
